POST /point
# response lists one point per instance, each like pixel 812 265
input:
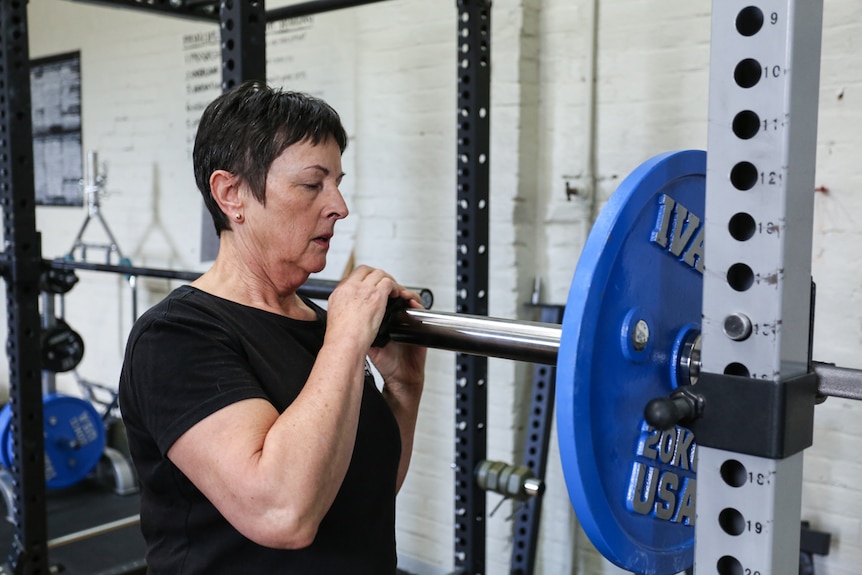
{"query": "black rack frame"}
pixel 472 243
pixel 243 27
pixel 22 255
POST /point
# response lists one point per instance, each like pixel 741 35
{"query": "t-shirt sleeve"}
pixel 179 372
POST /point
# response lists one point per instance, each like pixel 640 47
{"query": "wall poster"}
pixel 55 88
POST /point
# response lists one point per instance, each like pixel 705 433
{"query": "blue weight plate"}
pixel 74 440
pixel 5 430
pixel 635 296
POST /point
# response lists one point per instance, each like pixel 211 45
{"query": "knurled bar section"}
pixel 22 253
pixel 471 398
pixel 243 42
pixel 527 519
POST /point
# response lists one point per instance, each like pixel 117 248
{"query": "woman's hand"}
pixel 402 367
pixel 356 307
pixel 401 364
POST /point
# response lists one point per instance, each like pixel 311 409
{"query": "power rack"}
pixel 243 47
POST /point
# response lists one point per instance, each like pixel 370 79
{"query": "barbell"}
pixel 630 336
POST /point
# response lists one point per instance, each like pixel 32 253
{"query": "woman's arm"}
pixel 274 477
pixel 402 367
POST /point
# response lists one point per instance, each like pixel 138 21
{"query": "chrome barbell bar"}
pixel 537 342
pixel 532 342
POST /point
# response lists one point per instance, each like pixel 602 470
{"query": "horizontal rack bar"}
pixel 201 11
pixel 85 534
pixel 838 381
pixel 313 7
pixel 313 288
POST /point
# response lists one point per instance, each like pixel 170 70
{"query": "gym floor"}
pixel 87 505
pixel 90 504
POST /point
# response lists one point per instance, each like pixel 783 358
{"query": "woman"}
pixel 261 442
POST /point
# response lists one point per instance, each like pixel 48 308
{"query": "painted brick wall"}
pixel 833 466
pixel 583 91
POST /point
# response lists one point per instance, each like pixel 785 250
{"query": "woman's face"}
pixel 293 230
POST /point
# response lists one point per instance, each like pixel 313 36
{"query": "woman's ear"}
pixel 225 187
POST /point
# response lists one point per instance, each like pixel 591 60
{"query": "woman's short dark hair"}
pixel 245 129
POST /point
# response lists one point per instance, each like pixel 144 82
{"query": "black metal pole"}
pixel 313 288
pixel 473 61
pixel 28 555
pixel 62 264
pixel 536 447
pixel 314 7
pixel 201 10
pixel 243 42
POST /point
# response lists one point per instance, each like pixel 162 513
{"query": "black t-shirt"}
pixel 193 354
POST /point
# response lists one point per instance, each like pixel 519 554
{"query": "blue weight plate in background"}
pixel 635 296
pixel 74 439
pixel 5 430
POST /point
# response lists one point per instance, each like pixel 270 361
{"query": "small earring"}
pixel 238 217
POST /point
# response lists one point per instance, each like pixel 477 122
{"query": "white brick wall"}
pixel 394 83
